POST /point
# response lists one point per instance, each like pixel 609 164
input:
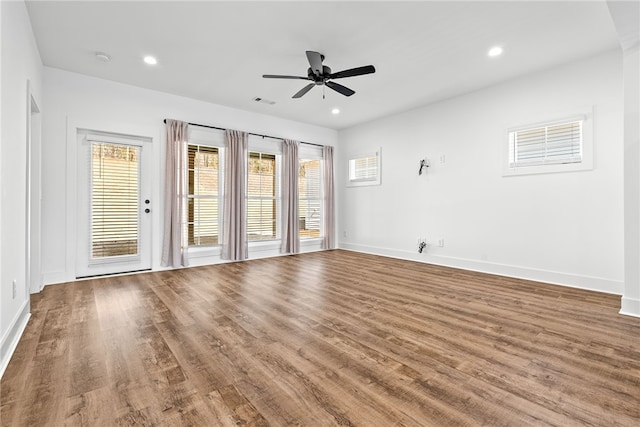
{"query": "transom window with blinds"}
pixel 556 143
pixel 364 169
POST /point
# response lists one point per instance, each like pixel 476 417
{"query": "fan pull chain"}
pixel 323 86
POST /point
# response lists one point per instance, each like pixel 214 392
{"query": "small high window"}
pixel 558 146
pixel 550 144
pixel 364 169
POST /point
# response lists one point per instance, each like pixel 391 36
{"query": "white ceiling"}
pixel 423 51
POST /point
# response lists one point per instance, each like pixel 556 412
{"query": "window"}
pixel 551 144
pixel 203 220
pixel 364 169
pixel 203 200
pixel 309 197
pixel 262 196
pixel 558 146
pixel 114 199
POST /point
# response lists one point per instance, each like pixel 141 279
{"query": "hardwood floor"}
pixel 320 339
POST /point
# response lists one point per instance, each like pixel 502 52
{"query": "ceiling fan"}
pixel 321 75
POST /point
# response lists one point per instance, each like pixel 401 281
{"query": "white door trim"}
pixel 33 197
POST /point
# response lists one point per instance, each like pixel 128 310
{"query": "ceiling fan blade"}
pixel 339 88
pixel 315 61
pixel 367 69
pixel 274 76
pixel 304 90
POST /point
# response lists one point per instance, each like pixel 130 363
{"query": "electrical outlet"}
pixel 443 159
pixel 14 288
pixel 344 233
pixel 441 242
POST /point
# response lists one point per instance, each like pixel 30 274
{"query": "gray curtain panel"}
pixel 234 207
pixel 329 224
pixel 174 244
pixel 290 214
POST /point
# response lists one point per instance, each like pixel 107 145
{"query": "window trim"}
pixel 586 163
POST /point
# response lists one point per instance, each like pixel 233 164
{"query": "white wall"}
pixel 20 63
pixel 562 228
pixel 76 101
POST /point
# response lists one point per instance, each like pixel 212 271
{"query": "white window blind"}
pixel 262 197
pixel 115 177
pixel 309 197
pixel 203 200
pixel 363 168
pixel 556 143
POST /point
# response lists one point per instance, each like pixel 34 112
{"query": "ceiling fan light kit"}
pixel 321 75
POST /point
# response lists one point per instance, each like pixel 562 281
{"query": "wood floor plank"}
pixel 319 339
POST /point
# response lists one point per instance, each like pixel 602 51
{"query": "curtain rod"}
pixel 250 133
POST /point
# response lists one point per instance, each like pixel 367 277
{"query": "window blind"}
pixel 115 170
pixel 363 168
pixel 203 207
pixel 262 197
pixel 547 144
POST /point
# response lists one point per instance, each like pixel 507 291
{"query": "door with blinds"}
pixel 114 204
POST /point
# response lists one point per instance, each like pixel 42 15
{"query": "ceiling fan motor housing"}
pixel 320 78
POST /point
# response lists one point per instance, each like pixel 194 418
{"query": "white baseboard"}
pixel 630 307
pixel 10 339
pixel 553 277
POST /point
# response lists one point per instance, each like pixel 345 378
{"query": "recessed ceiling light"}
pixel 335 111
pixel 102 57
pixel 150 60
pixel 495 51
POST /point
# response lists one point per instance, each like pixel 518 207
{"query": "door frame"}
pixel 33 196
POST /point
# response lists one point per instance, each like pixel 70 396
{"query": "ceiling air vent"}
pixel 264 101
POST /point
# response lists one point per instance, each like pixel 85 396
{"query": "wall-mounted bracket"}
pixel 422 243
pixel 424 163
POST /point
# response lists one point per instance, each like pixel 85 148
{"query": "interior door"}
pixel 114 205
